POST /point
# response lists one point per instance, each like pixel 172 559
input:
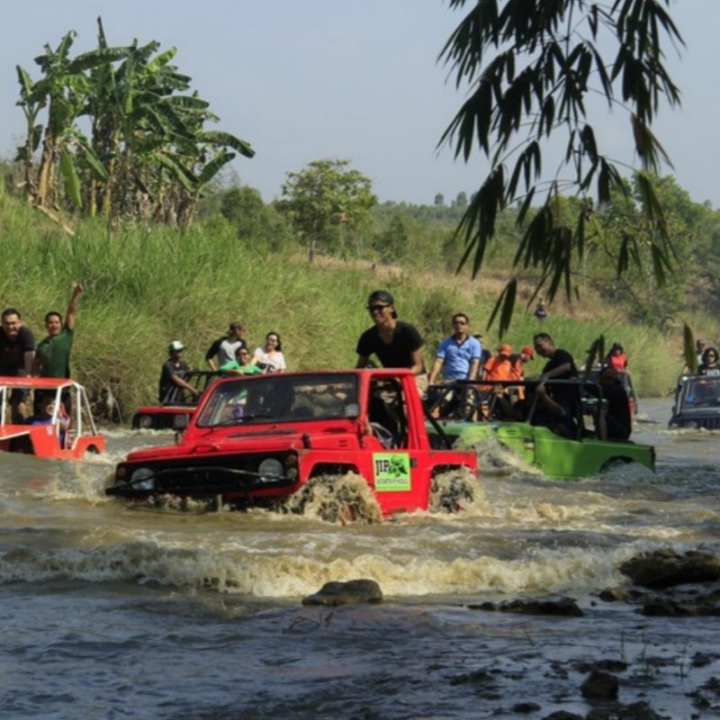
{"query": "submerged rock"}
pixel 526 707
pixel 599 685
pixel 687 600
pixel 473 678
pixel 634 711
pixel 667 568
pixel 352 592
pixel 535 606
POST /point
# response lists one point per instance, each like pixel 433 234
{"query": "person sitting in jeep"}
pixel 537 408
pixel 614 419
pixel 386 413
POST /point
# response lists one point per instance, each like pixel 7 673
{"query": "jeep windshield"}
pixel 701 391
pixel 280 398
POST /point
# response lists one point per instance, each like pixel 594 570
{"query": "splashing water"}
pixel 336 499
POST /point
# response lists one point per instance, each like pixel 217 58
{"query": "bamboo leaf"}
pixel 595 353
pixel 530 66
pixel 504 305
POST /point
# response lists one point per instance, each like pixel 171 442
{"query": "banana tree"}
pixel 148 147
pixel 63 91
pixel 31 106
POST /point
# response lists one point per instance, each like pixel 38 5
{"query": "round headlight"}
pixel 270 469
pixel 142 479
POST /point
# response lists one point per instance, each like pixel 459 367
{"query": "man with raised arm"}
pixel 52 359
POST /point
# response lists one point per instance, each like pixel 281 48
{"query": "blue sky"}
pixel 303 80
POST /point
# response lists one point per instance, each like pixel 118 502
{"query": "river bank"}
pixel 148 285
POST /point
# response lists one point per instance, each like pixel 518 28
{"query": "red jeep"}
pixel 178 401
pixel 258 440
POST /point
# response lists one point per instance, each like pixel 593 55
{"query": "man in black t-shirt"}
pixel 396 344
pixel 172 382
pixel 559 366
pixel 17 354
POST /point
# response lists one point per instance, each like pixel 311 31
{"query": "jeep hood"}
pixel 268 440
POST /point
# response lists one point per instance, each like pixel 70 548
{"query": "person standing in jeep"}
pixel 17 354
pixel 224 349
pixel 52 358
pixel 458 355
pixel 395 343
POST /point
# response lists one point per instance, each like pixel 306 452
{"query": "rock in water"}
pixel 352 592
pixel 599 685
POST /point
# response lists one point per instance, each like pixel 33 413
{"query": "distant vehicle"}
pixel 578 453
pixel 179 402
pixel 255 441
pixel 50 439
pixel 697 402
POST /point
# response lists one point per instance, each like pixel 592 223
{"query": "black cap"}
pixel 384 297
pixel 381 296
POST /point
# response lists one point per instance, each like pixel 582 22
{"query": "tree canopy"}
pixel 148 153
pixel 326 200
pixel 532 66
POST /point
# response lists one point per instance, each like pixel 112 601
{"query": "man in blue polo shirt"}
pixel 458 355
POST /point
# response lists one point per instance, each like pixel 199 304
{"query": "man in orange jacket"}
pixel 500 366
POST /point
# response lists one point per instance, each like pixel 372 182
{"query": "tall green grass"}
pixel 148 285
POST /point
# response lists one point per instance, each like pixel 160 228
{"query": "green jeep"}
pixel 469 413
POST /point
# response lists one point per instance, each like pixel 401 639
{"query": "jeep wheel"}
pixel 339 499
pixel 453 490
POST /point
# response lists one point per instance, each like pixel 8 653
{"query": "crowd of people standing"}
pixel 390 341
pixel 227 355
pixel 460 356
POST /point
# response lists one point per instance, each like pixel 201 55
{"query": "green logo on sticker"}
pixel 392 471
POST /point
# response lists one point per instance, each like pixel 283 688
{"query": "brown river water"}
pixel 116 612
